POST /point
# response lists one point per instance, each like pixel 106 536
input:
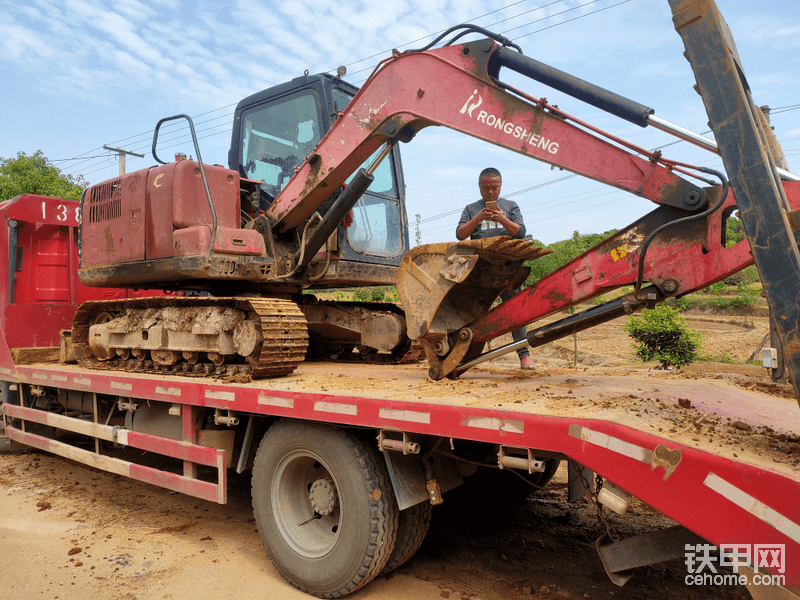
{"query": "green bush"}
pixel 362 295
pixel 661 334
pixel 377 294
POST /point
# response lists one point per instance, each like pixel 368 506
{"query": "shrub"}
pixel 377 294
pixel 661 334
pixel 361 295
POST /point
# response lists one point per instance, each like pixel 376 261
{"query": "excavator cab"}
pixel 275 131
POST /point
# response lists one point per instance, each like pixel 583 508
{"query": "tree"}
pixel 33 175
pixel 661 334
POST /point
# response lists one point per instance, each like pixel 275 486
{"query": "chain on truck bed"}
pixel 279 325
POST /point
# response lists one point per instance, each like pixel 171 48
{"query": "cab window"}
pixel 277 138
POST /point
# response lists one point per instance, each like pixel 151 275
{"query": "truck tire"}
pixel 324 507
pixel 411 531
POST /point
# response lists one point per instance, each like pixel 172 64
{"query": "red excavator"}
pixel 290 214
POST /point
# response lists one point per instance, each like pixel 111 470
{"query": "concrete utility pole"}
pixel 122 154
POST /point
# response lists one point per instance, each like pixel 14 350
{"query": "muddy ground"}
pixel 70 532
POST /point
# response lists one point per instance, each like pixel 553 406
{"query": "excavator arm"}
pixel 457 87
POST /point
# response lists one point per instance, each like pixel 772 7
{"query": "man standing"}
pixel 489 217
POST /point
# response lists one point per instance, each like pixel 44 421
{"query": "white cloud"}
pixel 18 44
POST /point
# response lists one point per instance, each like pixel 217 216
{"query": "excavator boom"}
pixel 457 87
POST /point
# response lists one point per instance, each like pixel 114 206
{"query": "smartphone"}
pixel 491 205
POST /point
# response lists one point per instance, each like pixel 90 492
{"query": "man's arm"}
pixel 515 225
pixel 467 224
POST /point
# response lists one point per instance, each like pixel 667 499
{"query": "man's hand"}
pixel 487 214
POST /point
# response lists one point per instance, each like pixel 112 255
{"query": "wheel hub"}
pixel 323 496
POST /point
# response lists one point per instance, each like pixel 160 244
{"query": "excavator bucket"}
pixel 445 286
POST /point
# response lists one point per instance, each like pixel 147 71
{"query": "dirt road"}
pixel 72 533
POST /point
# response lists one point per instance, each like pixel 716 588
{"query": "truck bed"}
pixel 717 455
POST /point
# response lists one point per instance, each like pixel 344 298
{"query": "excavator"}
pixel 313 199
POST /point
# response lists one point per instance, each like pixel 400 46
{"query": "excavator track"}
pixel 271 331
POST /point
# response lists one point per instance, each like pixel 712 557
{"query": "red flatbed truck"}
pixel 345 473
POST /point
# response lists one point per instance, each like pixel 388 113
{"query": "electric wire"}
pixel 579 6
pixel 594 12
pixel 186 135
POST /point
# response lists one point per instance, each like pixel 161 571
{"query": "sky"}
pixel 80 74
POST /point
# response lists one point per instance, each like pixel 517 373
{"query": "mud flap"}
pixel 619 558
pixel 579 478
pixel 408 476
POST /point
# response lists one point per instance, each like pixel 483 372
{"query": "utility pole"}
pixel 122 154
pixel 417 234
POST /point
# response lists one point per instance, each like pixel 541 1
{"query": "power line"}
pixel 549 17
pixel 781 109
pixel 425 37
pixel 594 12
pixel 136 139
pixel 525 13
pixel 370 68
pixel 55 160
pixel 790 152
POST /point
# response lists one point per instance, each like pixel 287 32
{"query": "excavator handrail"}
pixel 199 162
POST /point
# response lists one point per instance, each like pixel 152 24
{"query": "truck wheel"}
pixel 324 507
pixel 411 531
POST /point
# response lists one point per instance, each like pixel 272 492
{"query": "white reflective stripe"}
pixel 336 408
pixel 82 381
pixel 122 437
pixel 40 375
pixel 495 424
pixel 405 415
pixel 119 385
pixel 168 391
pixel 276 401
pixel 758 509
pixel 227 396
pixel 5 371
pixel 614 444
pixel 55 377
